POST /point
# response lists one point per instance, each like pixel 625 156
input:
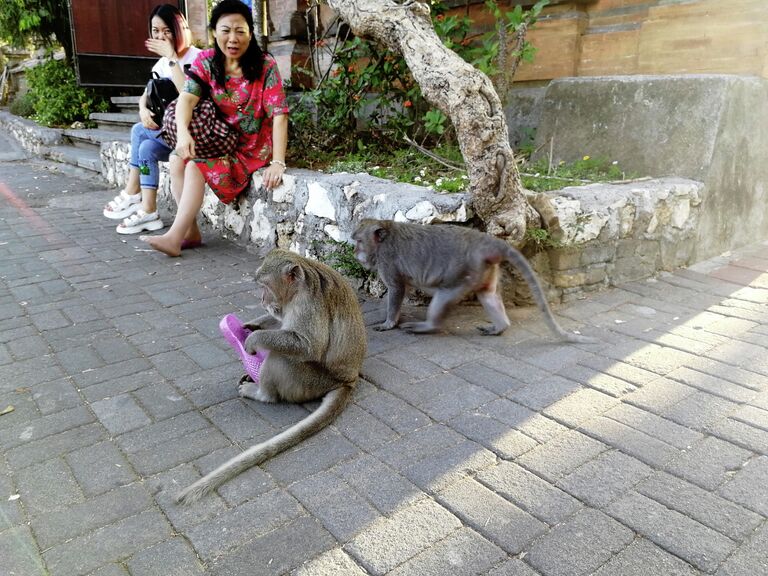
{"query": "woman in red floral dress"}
pixel 246 86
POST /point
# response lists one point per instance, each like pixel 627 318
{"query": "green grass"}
pixel 411 166
pixel 540 177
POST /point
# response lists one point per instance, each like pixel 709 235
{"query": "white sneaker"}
pixel 140 222
pixel 122 206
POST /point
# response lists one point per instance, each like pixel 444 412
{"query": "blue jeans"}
pixel 147 149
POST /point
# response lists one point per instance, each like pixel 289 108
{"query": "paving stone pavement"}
pixel 646 453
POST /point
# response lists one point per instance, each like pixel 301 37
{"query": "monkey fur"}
pixel 450 262
pixel 315 336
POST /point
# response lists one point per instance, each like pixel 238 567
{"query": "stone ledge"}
pixel 30 136
pixel 710 128
pixel 607 233
pixel 312 208
pixel 614 233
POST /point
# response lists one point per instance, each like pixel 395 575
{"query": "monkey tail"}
pixel 515 258
pixel 333 403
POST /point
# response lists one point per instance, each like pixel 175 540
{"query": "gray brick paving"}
pixel 173 557
pixel 86 553
pixel 750 558
pixel 269 555
pixel 394 540
pixel 512 456
pixel 709 462
pixel 332 563
pixel 530 492
pixel 120 414
pixel 100 467
pixel 498 520
pixel 604 479
pixel 709 509
pixel 580 545
pixel 561 455
pixel 747 485
pixel 642 558
pixel 271 511
pixel 64 524
pixel 462 553
pixel 342 511
pixel 48 486
pixel 513 567
pixel 695 543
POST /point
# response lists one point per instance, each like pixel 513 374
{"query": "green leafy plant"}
pixel 541 239
pixel 42 23
pixel 22 106
pixel 56 97
pixel 369 88
pixel 341 256
pixel 435 122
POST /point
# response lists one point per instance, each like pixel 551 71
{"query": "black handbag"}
pixel 160 93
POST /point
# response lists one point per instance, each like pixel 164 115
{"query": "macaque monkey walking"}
pixel 450 262
pixel 315 338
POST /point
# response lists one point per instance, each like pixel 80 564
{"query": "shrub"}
pixel 56 97
pixel 341 257
pixel 22 105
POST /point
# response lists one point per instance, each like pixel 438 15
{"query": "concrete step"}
pixel 93 137
pixel 115 120
pixel 76 156
pixel 126 103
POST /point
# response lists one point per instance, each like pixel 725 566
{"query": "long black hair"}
pixel 252 62
pixel 175 21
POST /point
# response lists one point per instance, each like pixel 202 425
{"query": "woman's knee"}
pixel 175 165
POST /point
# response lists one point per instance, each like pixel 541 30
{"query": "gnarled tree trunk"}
pixel 464 94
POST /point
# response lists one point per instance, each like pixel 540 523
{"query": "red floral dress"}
pixel 249 106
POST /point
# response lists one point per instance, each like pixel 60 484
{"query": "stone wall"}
pixel 612 37
pixel 613 233
pixel 710 128
pixel 29 135
pixel 603 233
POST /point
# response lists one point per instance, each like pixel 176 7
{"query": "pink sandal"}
pixel 235 333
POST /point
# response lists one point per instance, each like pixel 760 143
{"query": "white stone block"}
pixel 235 219
pixel 351 190
pixel 319 202
pixel 261 229
pixel 284 193
pixel 681 211
pixel 423 212
pixel 210 203
pixel 334 232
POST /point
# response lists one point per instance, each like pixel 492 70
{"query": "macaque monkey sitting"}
pixel 449 261
pixel 315 338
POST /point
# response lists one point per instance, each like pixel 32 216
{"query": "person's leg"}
pixel 127 201
pixel 151 151
pixel 176 169
pixel 185 222
pixel 176 166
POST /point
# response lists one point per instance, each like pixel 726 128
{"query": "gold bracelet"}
pixel 279 163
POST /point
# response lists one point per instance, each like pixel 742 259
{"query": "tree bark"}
pixel 461 92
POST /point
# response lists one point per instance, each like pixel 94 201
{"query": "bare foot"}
pixel 163 244
pixel 193 238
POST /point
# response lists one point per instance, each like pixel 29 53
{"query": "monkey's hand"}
pixel 265 321
pixel 251 344
pixel 384 326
